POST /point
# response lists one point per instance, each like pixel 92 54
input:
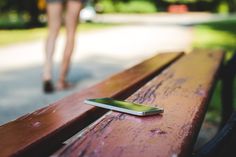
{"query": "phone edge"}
pixel 113 108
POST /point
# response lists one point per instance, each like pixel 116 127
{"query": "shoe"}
pixel 48 86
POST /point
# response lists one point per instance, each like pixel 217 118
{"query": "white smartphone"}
pixel 124 106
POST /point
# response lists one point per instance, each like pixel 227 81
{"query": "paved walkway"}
pixel 162 18
pixel 157 18
pixel 98 54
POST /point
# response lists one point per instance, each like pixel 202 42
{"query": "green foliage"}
pixel 136 7
pixel 2 3
pixel 180 1
pixel 223 8
pixel 215 105
pixel 106 6
pixel 29 7
pixel 13 20
pixel 132 6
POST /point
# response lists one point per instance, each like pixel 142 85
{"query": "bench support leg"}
pixel 228 75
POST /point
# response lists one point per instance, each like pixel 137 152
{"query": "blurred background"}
pixel 112 35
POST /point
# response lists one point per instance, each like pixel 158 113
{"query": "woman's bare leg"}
pixel 71 18
pixel 54 12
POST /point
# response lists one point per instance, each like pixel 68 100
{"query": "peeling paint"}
pixel 157 131
pixel 37 124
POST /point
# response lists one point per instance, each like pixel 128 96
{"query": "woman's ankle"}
pixel 63 84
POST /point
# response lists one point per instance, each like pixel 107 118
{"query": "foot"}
pixel 48 86
pixel 63 85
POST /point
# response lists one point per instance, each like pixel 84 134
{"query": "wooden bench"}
pixel 223 143
pixel 180 83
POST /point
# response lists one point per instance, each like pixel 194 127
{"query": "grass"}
pixel 16 36
pixel 216 35
pixel 133 6
pixel 220 34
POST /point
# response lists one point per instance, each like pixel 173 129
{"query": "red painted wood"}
pixel 41 131
pixel 183 90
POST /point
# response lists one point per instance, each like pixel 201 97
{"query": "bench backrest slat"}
pixel 183 90
pixel 43 131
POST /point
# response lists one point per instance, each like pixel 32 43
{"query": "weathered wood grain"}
pixel 42 131
pixel 183 90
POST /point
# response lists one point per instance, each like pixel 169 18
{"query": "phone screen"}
pixel 139 109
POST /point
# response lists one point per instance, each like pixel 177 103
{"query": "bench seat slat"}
pixel 183 90
pixel 42 131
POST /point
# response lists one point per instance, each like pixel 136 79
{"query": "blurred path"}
pixel 98 54
pixel 162 18
pixel 124 42
pixel 157 18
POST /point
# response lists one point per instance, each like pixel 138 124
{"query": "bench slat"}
pixel 43 131
pixel 183 90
